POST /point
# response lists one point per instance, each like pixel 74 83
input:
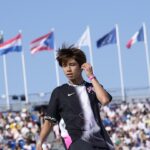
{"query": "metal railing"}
pixel 17 102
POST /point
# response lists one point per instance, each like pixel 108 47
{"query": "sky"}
pixel 69 19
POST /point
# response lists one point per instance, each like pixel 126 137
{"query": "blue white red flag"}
pixel 11 45
pixel 109 38
pixel 137 37
pixel 45 42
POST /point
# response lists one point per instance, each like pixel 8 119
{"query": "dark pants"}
pixel 82 145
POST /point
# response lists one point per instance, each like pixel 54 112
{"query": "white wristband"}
pixel 39 142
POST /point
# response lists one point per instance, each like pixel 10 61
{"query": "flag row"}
pixel 46 42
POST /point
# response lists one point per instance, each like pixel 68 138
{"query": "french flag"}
pixel 137 37
pixel 11 45
pixel 45 42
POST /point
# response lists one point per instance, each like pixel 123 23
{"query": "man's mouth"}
pixel 69 74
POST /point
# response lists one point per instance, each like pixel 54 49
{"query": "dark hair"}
pixel 66 53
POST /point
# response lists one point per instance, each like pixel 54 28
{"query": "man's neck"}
pixel 77 81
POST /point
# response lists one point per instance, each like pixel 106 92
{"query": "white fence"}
pixel 17 102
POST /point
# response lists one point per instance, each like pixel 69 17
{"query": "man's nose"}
pixel 68 68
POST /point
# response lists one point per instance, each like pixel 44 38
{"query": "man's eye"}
pixel 72 64
pixel 63 65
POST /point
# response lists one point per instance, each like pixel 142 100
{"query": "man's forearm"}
pixel 101 94
pixel 46 128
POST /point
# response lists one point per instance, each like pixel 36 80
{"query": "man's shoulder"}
pixel 61 87
pixel 66 86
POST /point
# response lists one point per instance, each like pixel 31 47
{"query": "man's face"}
pixel 71 69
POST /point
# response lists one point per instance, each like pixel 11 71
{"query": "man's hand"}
pixel 88 69
pixel 46 128
pixel 102 95
pixel 39 146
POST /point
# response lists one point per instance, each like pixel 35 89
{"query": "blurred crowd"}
pixel 127 123
pixel 20 130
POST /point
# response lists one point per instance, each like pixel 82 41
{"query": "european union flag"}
pixel 109 38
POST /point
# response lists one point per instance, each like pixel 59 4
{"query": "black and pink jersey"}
pixel 76 109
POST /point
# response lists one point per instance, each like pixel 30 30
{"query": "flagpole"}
pixel 56 67
pixel 146 52
pixel 5 78
pixel 56 64
pixel 90 47
pixel 120 64
pixel 6 82
pixel 24 75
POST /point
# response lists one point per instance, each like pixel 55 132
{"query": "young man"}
pixel 75 105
